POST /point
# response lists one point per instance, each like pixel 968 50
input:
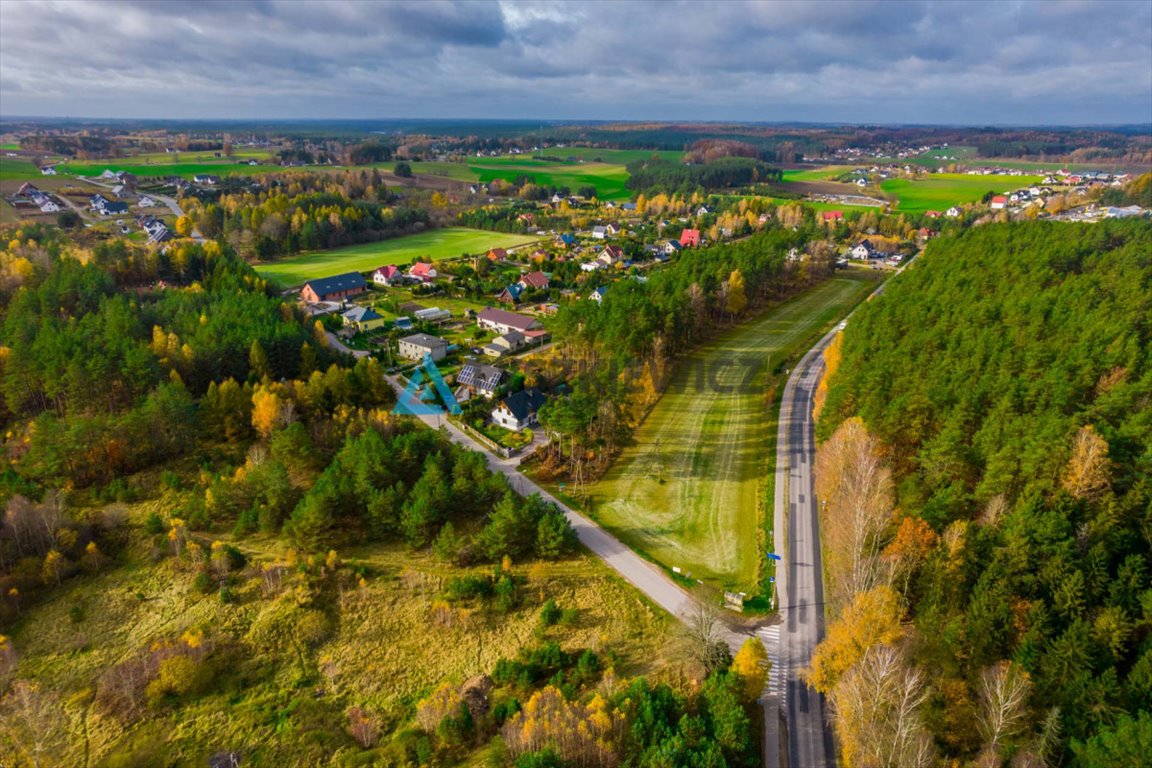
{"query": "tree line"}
pixel 985 465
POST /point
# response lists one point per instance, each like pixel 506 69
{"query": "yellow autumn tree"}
pixel 1089 470
pixel 737 300
pixel 872 619
pixel 265 411
pixel 751 664
pixel 832 354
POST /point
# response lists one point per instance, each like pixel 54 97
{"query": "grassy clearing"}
pixel 385 651
pixel 183 170
pixel 942 190
pixel 18 169
pixel 437 244
pixel 687 493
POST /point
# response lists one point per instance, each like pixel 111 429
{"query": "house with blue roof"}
pixel 363 319
pixel 335 288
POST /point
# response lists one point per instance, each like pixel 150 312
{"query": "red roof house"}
pixel 497 254
pixel 423 271
pixel 690 237
pixel 998 202
pixel 833 215
pixel 534 280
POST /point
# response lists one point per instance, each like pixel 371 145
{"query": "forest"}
pixel 294 212
pixel 655 175
pixel 986 468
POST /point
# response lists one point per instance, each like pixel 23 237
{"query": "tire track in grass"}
pixel 708 446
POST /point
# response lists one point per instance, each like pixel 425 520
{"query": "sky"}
pixel 902 61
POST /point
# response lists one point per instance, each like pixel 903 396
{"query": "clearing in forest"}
pixel 685 494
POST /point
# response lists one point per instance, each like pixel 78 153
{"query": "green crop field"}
pixel 436 243
pixel 686 493
pixel 610 179
pixel 17 169
pixel 182 169
pixel 816 174
pixel 941 190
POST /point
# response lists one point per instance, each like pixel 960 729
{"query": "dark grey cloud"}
pixel 920 60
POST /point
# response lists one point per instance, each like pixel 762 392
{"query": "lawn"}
pixel 941 190
pixel 436 243
pixel 183 169
pixel 687 493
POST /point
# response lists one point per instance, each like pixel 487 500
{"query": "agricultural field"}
pixel 941 190
pixel 17 168
pixel 689 493
pixel 182 169
pixel 610 179
pixel 385 650
pixel 824 173
pixel 436 244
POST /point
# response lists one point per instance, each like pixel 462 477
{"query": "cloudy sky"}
pixel 969 61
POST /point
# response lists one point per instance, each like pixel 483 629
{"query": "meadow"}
pixel 609 178
pixel 182 169
pixel 941 190
pixel 436 244
pixel 823 173
pixel 379 654
pixel 689 492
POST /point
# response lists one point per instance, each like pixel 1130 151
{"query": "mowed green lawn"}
pixel 436 243
pixel 686 493
pixel 816 174
pixel 184 170
pixel 941 190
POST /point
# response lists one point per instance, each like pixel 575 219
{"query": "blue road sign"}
pixel 774 556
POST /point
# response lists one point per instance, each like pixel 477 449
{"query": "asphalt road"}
pixel 799 580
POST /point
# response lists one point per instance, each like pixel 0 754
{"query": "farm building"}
pixel 416 346
pixel 502 321
pixel 432 315
pixel 335 288
pixel 519 409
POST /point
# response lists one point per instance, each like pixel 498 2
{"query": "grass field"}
pixel 687 493
pixel 941 190
pixel 816 174
pixel 17 168
pixel 609 178
pixel 436 243
pixel 183 169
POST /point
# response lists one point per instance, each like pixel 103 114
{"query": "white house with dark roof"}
pixel 503 321
pixel 414 347
pixel 519 409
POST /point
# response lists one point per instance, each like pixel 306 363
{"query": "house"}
pixel 48 170
pixel 671 248
pixel 49 206
pixel 864 250
pixel 534 281
pixel 599 233
pixel 114 209
pixel 953 212
pixel 414 347
pixel 703 211
pixel 932 214
pixel 613 229
pixel 335 288
pixel 518 410
pixel 611 255
pixel 539 255
pixel 387 275
pixel 362 318
pixel 510 294
pixel 206 178
pixel 566 241
pixel 999 202
pixel 592 266
pixel 502 321
pixel 505 344
pixel 119 190
pixel 27 189
pixel 146 202
pixel 628 207
pixel 833 216
pixel 690 237
pixel 480 379
pixel 497 254
pixel 598 294
pixel 422 271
